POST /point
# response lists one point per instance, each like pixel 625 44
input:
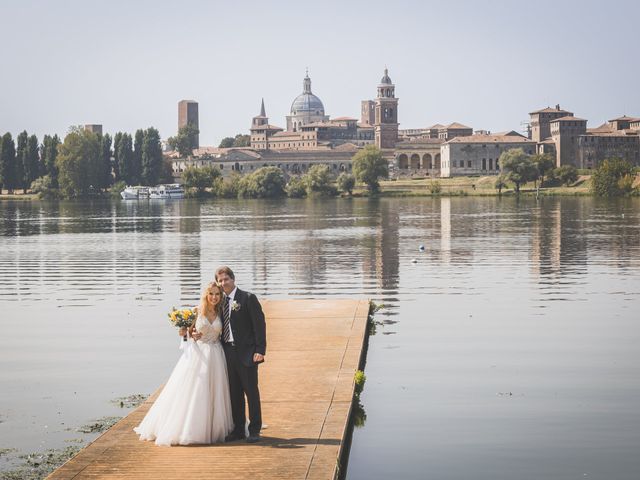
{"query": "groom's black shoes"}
pixel 233 436
pixel 253 438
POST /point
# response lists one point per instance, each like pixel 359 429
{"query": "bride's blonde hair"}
pixel 206 306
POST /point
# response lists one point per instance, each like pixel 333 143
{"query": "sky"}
pixel 126 64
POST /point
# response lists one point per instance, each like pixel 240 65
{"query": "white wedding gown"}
pixel 194 405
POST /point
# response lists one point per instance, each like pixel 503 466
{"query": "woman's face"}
pixel 214 296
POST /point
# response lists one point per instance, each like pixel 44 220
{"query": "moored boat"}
pixel 167 191
pixel 135 193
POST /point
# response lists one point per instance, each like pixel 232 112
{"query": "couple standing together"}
pixel 204 399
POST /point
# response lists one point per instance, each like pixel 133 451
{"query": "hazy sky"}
pixel 126 64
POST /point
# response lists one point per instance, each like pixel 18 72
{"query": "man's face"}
pixel 228 283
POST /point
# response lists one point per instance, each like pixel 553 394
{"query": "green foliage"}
pixel 21 160
pixel 296 188
pixel 227 188
pixel 242 140
pixel 613 177
pixel 544 163
pixel 105 177
pixel 346 182
pixel 7 162
pixel 518 166
pixel 434 187
pixel 45 188
pixel 117 187
pixel 136 159
pixel 227 142
pixel 566 174
pixel 151 157
pixel 359 378
pixel 78 163
pixel 500 183
pixel 319 180
pixel 48 153
pixel 185 141
pixel 123 146
pixel 266 182
pixel 198 179
pixel 166 174
pixel 239 140
pixel 369 166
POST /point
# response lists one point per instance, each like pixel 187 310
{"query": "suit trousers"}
pixel 243 381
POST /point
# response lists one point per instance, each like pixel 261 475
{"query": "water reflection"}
pixel 537 298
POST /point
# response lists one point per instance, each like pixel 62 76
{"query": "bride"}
pixel 194 406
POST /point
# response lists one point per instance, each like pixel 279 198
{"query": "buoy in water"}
pixel 414 260
pixel 421 248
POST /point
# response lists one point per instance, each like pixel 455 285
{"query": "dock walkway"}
pixel 306 385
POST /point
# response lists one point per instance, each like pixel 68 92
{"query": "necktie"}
pixel 226 325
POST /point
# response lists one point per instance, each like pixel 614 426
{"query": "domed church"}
pixel 306 108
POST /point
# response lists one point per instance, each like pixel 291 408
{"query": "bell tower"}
pixel 386 114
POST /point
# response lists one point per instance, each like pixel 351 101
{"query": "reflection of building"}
pixel 382 260
pixel 188 115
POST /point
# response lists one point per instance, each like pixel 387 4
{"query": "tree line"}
pixel 369 166
pixel 85 163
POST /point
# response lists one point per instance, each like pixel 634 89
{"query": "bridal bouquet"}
pixel 182 318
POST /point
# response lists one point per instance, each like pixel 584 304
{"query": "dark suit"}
pixel 249 336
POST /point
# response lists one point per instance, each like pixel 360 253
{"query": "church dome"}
pixel 386 80
pixel 307 102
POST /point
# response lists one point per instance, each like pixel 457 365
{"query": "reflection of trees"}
pixel 359 415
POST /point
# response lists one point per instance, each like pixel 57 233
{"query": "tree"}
pixel 518 167
pixel 78 163
pixel 32 162
pixel 136 159
pixel 117 139
pixel 369 166
pixel 106 178
pixel 319 180
pixel 227 142
pixel 611 178
pixel 544 163
pixel 7 162
pixel 151 157
pixel 266 182
pixel 21 160
pixel 228 188
pixel 200 178
pixel 125 159
pixel 48 153
pixel 44 187
pixel 566 174
pixel 346 182
pixel 296 188
pixel 242 140
pixel 500 184
pixel 186 140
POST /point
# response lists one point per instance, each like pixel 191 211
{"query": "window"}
pixel 468 163
pixel 484 164
pixel 491 164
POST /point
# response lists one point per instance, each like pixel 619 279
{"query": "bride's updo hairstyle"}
pixel 206 307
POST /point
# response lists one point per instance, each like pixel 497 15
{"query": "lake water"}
pixel 508 349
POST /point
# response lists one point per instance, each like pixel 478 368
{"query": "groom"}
pixel 244 340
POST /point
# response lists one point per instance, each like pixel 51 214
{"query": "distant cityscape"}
pixel 441 150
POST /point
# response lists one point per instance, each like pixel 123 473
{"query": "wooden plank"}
pixel 306 386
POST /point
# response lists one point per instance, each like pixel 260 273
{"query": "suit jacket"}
pixel 248 327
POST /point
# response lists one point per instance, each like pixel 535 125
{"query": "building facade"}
pixel 188 114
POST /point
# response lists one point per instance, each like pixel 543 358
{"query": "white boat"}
pixel 135 193
pixel 171 190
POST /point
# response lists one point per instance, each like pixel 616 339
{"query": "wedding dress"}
pixel 194 405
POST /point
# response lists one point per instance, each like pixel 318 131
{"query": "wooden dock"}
pixel 306 384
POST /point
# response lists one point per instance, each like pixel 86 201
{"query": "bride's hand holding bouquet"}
pixel 184 319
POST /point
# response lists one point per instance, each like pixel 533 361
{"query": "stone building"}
pixel 188 114
pixel 566 137
pixel 478 154
pixel 386 114
pixel 308 127
pixel 94 128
